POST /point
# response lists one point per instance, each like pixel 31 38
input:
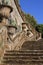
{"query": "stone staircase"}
pixel 18 39
pixel 31 53
pixel 23 57
pixel 33 45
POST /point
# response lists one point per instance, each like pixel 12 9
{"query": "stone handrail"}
pixel 19 39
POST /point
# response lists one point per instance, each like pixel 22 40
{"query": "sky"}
pixel 34 8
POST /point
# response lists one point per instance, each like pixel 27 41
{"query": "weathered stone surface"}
pixel 26 57
pixel 33 45
pixel 5 10
pixel 14 39
pixel 15 13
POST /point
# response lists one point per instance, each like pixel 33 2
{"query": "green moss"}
pixel 5 1
pixel 12 22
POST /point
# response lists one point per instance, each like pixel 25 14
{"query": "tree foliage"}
pixel 39 28
pixel 31 20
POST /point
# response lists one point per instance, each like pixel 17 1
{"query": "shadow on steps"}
pixel 33 45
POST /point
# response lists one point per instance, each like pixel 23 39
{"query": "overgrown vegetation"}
pixel 30 19
pixel 38 27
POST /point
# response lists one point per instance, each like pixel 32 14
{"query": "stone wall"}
pixel 15 13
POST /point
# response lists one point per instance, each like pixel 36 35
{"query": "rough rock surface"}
pixel 17 39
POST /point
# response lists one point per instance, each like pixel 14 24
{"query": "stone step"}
pixel 33 45
pixel 22 61
pixel 23 57
pixel 29 54
pixel 24 51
